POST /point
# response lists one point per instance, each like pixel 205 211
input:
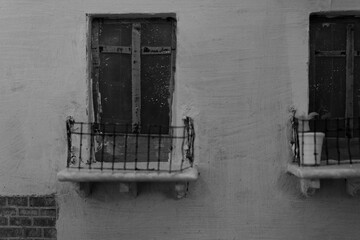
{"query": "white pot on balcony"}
pixel 310 144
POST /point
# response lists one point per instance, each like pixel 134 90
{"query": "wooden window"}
pixel 133 71
pixel 334 69
pixel 334 81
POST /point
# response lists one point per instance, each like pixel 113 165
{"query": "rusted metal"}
pixel 116 150
pixel 155 50
pixel 115 49
pixel 69 128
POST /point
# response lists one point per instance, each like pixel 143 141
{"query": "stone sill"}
pixel 97 175
pixel 325 171
pixel 310 176
pixel 129 178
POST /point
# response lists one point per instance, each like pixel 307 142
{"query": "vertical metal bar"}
pixel 302 142
pixel 136 148
pixel 315 153
pixel 349 110
pixel 136 74
pixel 192 141
pixel 103 146
pixel 326 142
pixel 183 150
pixel 148 148
pixel 296 136
pixel 349 130
pixel 91 144
pixel 297 147
pixel 113 150
pixel 159 149
pixel 171 147
pixel 359 132
pixel 69 124
pixel 126 140
pixel 337 140
pixel 81 139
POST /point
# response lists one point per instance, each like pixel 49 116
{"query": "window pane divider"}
pixel 136 75
pixel 349 112
pixel 339 53
pixel 95 67
pixel 115 49
pixel 147 50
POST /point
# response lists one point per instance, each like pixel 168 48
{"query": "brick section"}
pixel 28 217
pixel 11 232
pixel 7 212
pixel 17 201
pixel 48 212
pixel 42 201
pixel 28 212
pixel 20 221
pixel 2 202
pixel 3 221
pixel 50 232
pixel 46 222
pixel 33 232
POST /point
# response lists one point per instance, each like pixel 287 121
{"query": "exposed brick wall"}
pixel 28 217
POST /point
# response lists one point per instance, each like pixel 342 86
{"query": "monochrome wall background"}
pixel 240 66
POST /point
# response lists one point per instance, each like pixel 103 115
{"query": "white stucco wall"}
pixel 240 66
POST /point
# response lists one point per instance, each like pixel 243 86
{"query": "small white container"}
pixel 310 144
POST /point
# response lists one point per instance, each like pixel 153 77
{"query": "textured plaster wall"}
pixel 240 65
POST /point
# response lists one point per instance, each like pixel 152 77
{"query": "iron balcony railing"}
pixel 115 146
pixel 319 142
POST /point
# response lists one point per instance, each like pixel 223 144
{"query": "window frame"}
pixel 350 21
pixel 349 53
pixel 93 107
pixel 339 129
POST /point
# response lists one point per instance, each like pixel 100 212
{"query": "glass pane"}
pixel 155 92
pixel 156 34
pixel 115 34
pixel 115 87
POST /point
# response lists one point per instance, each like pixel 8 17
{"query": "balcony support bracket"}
pixel 353 186
pixel 309 186
pixel 180 189
pixel 128 187
pixel 310 176
pixel 85 188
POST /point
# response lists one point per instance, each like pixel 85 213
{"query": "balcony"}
pixel 110 152
pixel 326 149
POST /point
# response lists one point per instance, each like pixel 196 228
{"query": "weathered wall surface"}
pixel 240 65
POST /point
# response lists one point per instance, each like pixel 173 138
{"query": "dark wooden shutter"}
pixel 327 67
pixel 334 88
pixel 133 84
pixel 156 74
pixel 115 72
